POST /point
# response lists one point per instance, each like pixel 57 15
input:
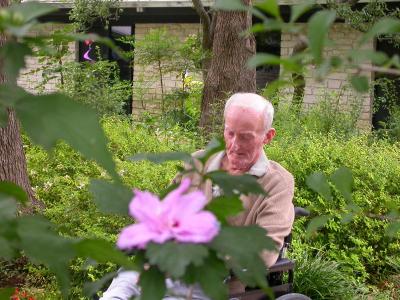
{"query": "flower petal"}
pixel 198 228
pixel 144 206
pixel 174 195
pixel 138 235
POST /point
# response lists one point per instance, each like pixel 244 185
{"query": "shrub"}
pixel 361 246
pixel 96 84
pixel 61 181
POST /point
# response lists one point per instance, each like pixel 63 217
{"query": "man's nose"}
pixel 235 142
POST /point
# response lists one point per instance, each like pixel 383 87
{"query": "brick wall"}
pixel 337 83
pixel 148 75
pixel 30 77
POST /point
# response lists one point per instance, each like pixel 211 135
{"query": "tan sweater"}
pixel 273 212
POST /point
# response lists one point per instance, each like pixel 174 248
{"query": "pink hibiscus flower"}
pixel 179 216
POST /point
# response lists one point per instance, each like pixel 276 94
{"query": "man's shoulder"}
pixel 279 175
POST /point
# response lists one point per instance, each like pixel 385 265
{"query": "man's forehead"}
pixel 240 131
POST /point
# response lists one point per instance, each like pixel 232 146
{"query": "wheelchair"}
pixel 280 276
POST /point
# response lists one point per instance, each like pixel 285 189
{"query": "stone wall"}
pixel 336 83
pixel 31 76
pixel 148 77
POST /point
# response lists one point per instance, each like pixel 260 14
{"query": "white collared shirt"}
pixel 258 169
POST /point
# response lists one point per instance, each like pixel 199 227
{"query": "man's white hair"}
pixel 253 101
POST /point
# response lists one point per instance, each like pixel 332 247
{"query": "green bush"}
pixel 361 246
pixel 96 84
pixel 61 181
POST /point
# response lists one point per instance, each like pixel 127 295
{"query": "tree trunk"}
pixel 12 157
pixel 228 72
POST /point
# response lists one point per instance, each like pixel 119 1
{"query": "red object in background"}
pixel 88 42
pixel 21 295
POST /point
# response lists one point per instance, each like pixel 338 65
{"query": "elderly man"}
pixel 248 127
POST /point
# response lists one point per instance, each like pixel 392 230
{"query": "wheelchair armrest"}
pixel 282 265
pixel 301 212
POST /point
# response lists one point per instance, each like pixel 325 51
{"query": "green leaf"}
pixel 298 10
pixel 3 116
pixel 214 146
pixel 210 275
pixel 362 55
pixel 13 190
pixel 13 55
pixel 10 94
pixel 393 229
pixel 236 185
pixel 269 6
pixel 347 218
pixel 318 28
pixel 6 250
pixel 229 5
pixel 32 10
pixel 262 59
pixel 8 208
pixel 53 117
pixel 383 26
pixel 159 158
pixel 103 252
pixel 242 246
pixel 223 207
pixel 91 288
pixel 173 258
pixel 360 83
pixel 6 293
pixel 273 87
pixel 316 223
pixel 41 245
pixel 318 183
pixel 111 197
pixel 342 178
pixel 152 282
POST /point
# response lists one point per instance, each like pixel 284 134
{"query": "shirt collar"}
pixel 258 169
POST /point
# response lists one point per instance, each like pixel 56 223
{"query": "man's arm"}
pixel 276 215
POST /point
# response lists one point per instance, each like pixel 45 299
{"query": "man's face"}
pixel 244 136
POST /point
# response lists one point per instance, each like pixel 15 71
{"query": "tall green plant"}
pixel 96 84
pixel 157 48
pixel 85 13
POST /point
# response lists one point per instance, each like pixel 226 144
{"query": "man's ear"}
pixel 269 135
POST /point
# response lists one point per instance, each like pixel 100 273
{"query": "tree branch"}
pixel 205 22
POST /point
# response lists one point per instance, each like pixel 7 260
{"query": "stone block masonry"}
pixel 337 83
pixel 31 76
pixel 148 76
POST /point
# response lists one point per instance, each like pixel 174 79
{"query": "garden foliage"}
pixel 47 119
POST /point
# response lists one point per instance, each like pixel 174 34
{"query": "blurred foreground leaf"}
pixel 236 185
pixel 318 182
pixel 223 207
pixel 64 119
pixel 152 282
pixel 111 197
pixel 173 258
pixel 318 28
pixel 316 223
pixel 159 158
pixel 14 191
pixel 342 178
pixel 242 247
pixel 103 252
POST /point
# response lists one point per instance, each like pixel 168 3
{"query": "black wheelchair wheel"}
pixel 293 296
